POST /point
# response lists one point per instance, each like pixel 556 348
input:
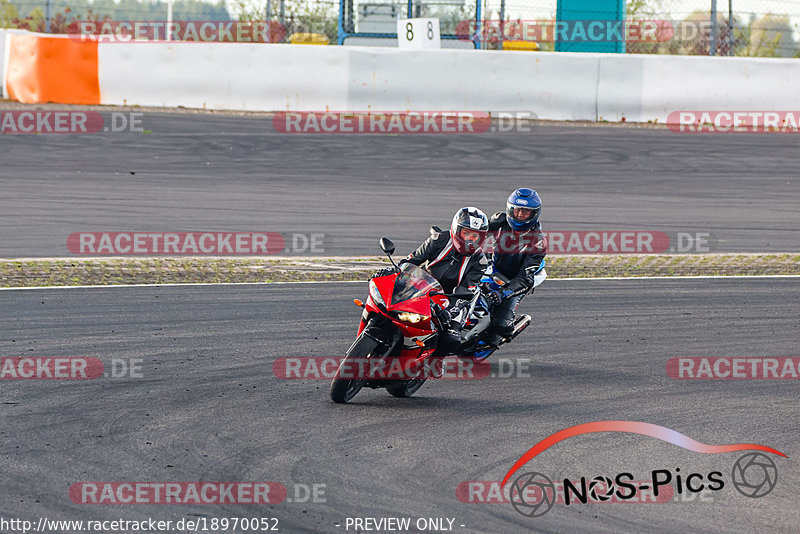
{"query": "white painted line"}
pixel 191 284
pixel 549 280
pixel 690 277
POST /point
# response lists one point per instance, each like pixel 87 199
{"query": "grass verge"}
pixel 33 272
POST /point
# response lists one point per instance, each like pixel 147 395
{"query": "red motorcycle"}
pixel 399 331
pixel 397 335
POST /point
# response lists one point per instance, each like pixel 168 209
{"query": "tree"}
pixel 68 13
pixel 771 36
pixel 451 16
pixel 690 36
pixel 637 12
pixel 300 17
pixel 8 12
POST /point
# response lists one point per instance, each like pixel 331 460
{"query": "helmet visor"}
pixel 523 214
pixel 472 239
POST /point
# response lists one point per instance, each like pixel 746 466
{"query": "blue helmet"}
pixel 523 209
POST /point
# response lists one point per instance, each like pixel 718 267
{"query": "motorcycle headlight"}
pixel 375 294
pixel 408 317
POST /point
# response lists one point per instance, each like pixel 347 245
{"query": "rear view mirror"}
pixel 387 246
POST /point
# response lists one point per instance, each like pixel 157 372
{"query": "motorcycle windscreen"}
pixel 413 282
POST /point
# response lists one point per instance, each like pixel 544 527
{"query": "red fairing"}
pixel 362 323
pixel 385 286
pixel 421 305
pixel 415 297
pixel 441 300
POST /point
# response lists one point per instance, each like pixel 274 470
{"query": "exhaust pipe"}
pixel 520 324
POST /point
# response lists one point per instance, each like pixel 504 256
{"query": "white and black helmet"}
pixel 468 230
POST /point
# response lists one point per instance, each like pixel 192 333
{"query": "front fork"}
pixel 390 338
pixel 382 330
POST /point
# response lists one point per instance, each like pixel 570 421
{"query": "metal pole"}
pixel 712 50
pixel 502 22
pixel 478 25
pixel 484 44
pixel 267 18
pixel 47 16
pixel 730 27
pixel 169 19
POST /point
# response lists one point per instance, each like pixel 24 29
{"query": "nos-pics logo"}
pixel 533 494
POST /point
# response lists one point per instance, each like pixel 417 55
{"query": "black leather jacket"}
pixel 517 263
pixel 445 264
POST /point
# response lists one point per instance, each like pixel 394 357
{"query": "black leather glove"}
pixel 494 298
pixel 457 306
pixel 442 316
pixel 497 296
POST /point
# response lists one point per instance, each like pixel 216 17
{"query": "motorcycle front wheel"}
pixel 406 388
pixel 343 389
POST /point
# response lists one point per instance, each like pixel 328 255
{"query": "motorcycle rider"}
pixel 455 259
pixel 519 249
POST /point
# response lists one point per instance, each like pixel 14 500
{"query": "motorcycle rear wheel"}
pixel 344 389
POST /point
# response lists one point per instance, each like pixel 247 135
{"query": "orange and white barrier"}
pixel 3 33
pixel 41 68
pixel 284 77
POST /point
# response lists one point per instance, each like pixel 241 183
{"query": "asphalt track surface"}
pixel 235 173
pixel 209 408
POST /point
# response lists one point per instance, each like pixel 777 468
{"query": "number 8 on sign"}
pixel 418 34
